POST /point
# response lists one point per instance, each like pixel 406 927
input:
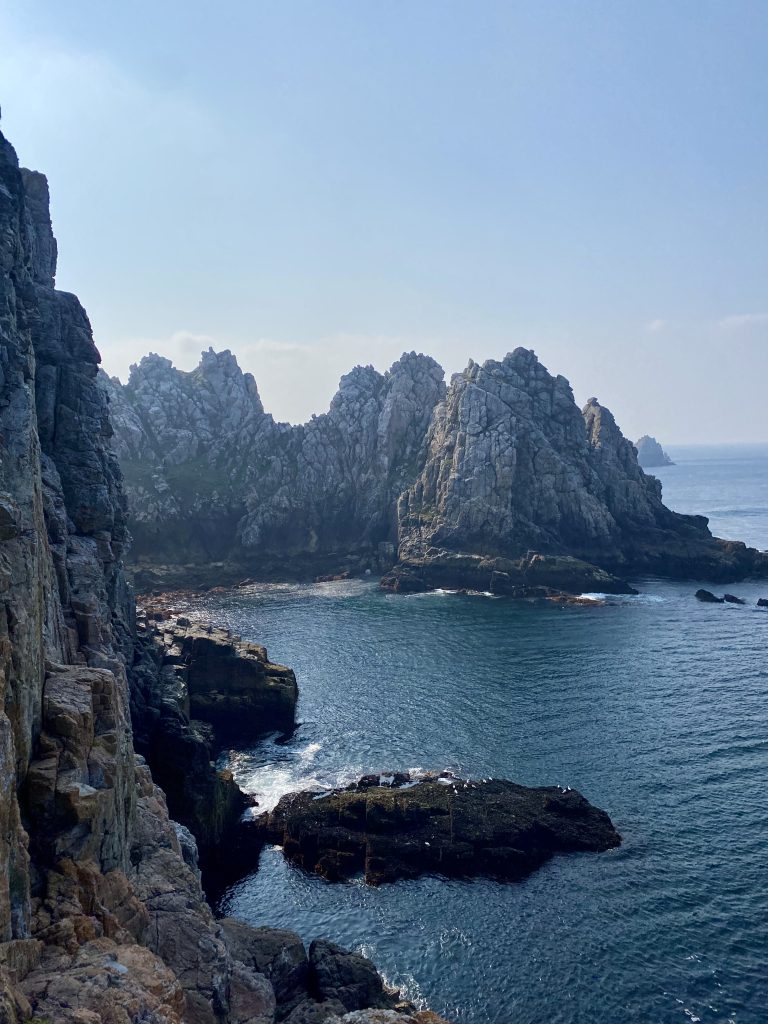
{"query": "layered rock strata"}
pixel 102 916
pixel 388 827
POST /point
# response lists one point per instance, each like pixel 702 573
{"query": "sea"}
pixel 655 707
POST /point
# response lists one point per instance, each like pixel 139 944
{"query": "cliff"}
pixel 497 482
pixel 210 476
pixel 650 454
pixel 517 479
pixel 102 917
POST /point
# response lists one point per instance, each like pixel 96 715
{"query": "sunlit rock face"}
pixel 514 467
pixel 500 464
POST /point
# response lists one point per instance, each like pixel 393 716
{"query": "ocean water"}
pixel 655 707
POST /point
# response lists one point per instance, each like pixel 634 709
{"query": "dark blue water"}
pixel 656 707
pixel 728 483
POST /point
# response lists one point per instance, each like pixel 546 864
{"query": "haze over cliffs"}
pixel 443 481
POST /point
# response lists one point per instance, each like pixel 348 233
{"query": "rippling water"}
pixel 655 707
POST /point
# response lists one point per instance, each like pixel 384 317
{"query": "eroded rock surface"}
pixel 102 916
pixel 500 466
pixel 391 827
pixel 211 476
pixel 514 468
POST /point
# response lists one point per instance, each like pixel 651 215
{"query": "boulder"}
pixel 346 977
pixel 707 597
pixel 273 952
pixel 732 599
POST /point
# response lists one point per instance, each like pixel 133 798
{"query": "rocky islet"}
pixel 391 826
pixel 650 454
pixel 497 481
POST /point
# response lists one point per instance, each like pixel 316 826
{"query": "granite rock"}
pixel 650 454
pixel 102 915
pixel 391 827
pixel 513 468
pixel 210 475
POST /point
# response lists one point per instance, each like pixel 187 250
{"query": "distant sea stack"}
pixel 650 454
pixel 497 482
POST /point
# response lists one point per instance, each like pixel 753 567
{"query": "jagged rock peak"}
pixel 43 246
pixel 209 472
pixel 650 454
pixel 513 466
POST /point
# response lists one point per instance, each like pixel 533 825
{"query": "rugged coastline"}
pixel 453 485
pixel 102 916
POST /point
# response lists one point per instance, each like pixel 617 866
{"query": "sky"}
pixel 318 184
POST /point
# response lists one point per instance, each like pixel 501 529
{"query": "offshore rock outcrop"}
pixel 102 917
pixel 211 476
pixel 391 826
pixel 195 688
pixel 499 482
pixel 650 454
pixel 514 468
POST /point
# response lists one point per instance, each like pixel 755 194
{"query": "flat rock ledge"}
pixel 532 575
pixel 388 827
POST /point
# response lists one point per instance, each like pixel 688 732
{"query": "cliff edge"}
pixel 102 915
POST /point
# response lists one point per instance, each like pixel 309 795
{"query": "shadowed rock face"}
pixel 194 689
pixel 210 475
pixel 391 827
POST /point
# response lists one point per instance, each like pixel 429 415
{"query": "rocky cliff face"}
pixel 515 468
pixel 102 918
pixel 650 454
pixel 460 486
pixel 210 476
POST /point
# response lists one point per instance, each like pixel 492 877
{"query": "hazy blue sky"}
pixel 315 184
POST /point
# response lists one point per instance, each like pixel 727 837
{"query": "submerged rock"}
pixel 650 454
pixel 391 827
pixel 707 597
